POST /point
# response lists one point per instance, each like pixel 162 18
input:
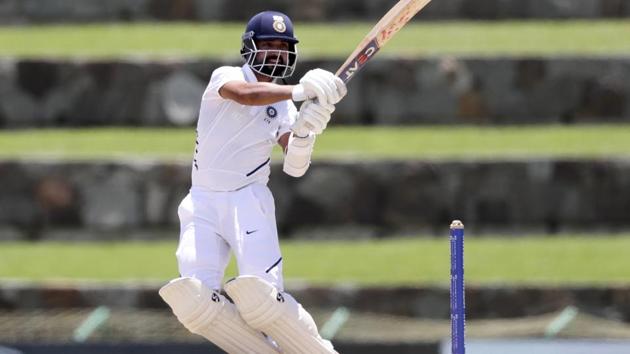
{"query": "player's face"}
pixel 273 52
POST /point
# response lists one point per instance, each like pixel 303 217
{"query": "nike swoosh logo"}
pixel 250 232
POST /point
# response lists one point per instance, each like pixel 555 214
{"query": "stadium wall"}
pixel 390 91
pixel 117 200
pixel 64 11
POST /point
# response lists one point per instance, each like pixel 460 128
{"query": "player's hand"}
pixel 313 116
pixel 322 85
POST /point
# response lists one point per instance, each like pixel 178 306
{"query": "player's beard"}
pixel 274 70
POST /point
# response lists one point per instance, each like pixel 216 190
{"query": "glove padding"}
pixel 322 85
pixel 298 155
pixel 313 116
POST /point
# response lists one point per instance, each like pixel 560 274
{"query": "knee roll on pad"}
pixel 209 314
pixel 277 314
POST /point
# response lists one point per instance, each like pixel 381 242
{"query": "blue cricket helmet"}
pixel 270 25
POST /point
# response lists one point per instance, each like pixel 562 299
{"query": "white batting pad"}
pixel 278 315
pixel 208 313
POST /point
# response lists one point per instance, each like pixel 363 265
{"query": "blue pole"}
pixel 458 304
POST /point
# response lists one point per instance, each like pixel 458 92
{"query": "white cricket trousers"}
pixel 213 223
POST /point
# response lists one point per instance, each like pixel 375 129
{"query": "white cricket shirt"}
pixel 234 141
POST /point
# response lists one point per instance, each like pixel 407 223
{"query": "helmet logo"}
pixel 278 24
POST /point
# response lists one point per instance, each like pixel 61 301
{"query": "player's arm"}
pixel 297 154
pixel 283 141
pixel 318 83
pixel 255 93
pixel 298 149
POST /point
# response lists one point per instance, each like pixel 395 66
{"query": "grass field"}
pixel 598 259
pixel 364 143
pixel 478 38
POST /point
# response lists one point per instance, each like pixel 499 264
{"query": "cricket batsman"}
pixel 229 208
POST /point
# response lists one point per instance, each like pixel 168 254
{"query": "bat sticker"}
pixel 355 65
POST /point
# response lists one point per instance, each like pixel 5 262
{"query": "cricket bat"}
pixel 381 33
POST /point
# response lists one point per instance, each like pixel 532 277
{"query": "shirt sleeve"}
pixel 220 77
pixel 288 120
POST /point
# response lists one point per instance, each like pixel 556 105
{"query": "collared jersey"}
pixel 234 141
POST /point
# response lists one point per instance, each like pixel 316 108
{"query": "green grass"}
pixel 598 259
pixel 320 40
pixel 362 143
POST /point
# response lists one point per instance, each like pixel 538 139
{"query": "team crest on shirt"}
pixel 272 113
pixel 278 24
